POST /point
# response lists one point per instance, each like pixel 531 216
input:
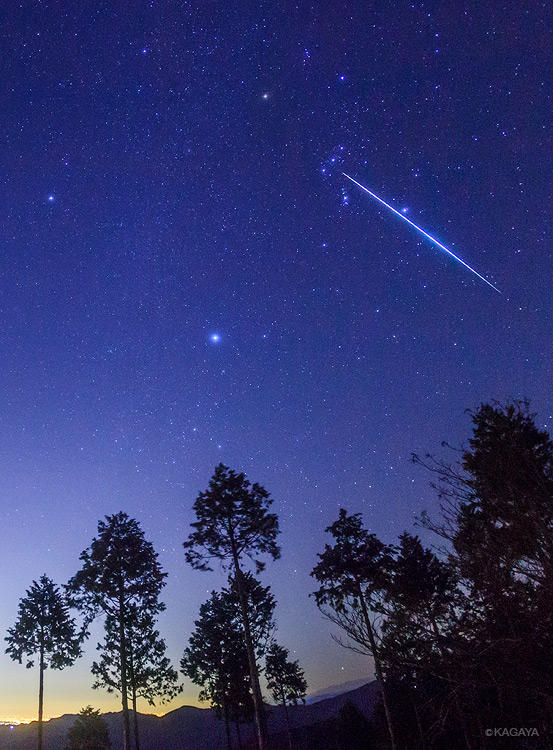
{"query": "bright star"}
pixel 50 198
pixel 215 338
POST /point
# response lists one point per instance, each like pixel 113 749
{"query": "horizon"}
pixel 198 705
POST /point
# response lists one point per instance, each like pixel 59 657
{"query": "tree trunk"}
pixel 133 694
pixel 227 725
pixel 418 720
pixel 260 718
pixel 458 707
pixel 287 717
pixel 123 663
pixel 238 734
pixel 378 669
pixel 135 719
pixel 40 696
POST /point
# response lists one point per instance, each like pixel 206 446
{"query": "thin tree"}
pixel 89 731
pixel 352 575
pixel 120 574
pixel 234 523
pixel 44 629
pixel 285 680
pixel 151 676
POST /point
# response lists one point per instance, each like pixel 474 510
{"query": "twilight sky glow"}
pixel 187 277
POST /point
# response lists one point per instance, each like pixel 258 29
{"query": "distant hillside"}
pixel 190 728
pixel 333 690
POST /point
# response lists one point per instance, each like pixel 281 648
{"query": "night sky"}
pixel 187 278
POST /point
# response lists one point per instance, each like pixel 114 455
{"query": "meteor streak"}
pixel 428 236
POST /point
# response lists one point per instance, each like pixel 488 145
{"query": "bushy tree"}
pixel 419 600
pixel 420 604
pixel 120 576
pixel 88 732
pixel 233 524
pixel 497 523
pixel 45 631
pixel 216 656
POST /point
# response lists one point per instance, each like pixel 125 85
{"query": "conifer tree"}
pixel 120 575
pixel 45 631
pixel 285 680
pixel 352 575
pixel 150 674
pixel 216 656
pixel 234 523
pixel 88 732
pixel 420 602
pixel 497 520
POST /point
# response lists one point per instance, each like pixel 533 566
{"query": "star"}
pixel 50 198
pixel 215 338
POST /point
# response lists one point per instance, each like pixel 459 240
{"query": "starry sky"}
pixel 186 277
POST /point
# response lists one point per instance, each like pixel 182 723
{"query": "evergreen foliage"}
pixel 44 631
pixel 121 579
pixel 89 732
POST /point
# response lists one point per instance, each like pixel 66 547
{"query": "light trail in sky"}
pixel 428 236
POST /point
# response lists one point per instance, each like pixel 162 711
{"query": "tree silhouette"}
pixel 353 574
pixel 419 598
pixel 216 659
pixel 234 522
pixel 150 674
pixel 260 604
pixel 216 656
pixel 120 575
pixel 285 680
pixel 353 728
pixel 420 603
pixel 497 518
pixel 88 732
pixel 43 629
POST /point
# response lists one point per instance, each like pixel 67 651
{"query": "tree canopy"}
pixel 88 732
pixel 122 579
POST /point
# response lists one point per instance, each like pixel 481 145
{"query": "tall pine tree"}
pixel 120 575
pixel 234 523
pixel 44 630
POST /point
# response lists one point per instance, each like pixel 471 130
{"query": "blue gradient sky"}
pixel 174 172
